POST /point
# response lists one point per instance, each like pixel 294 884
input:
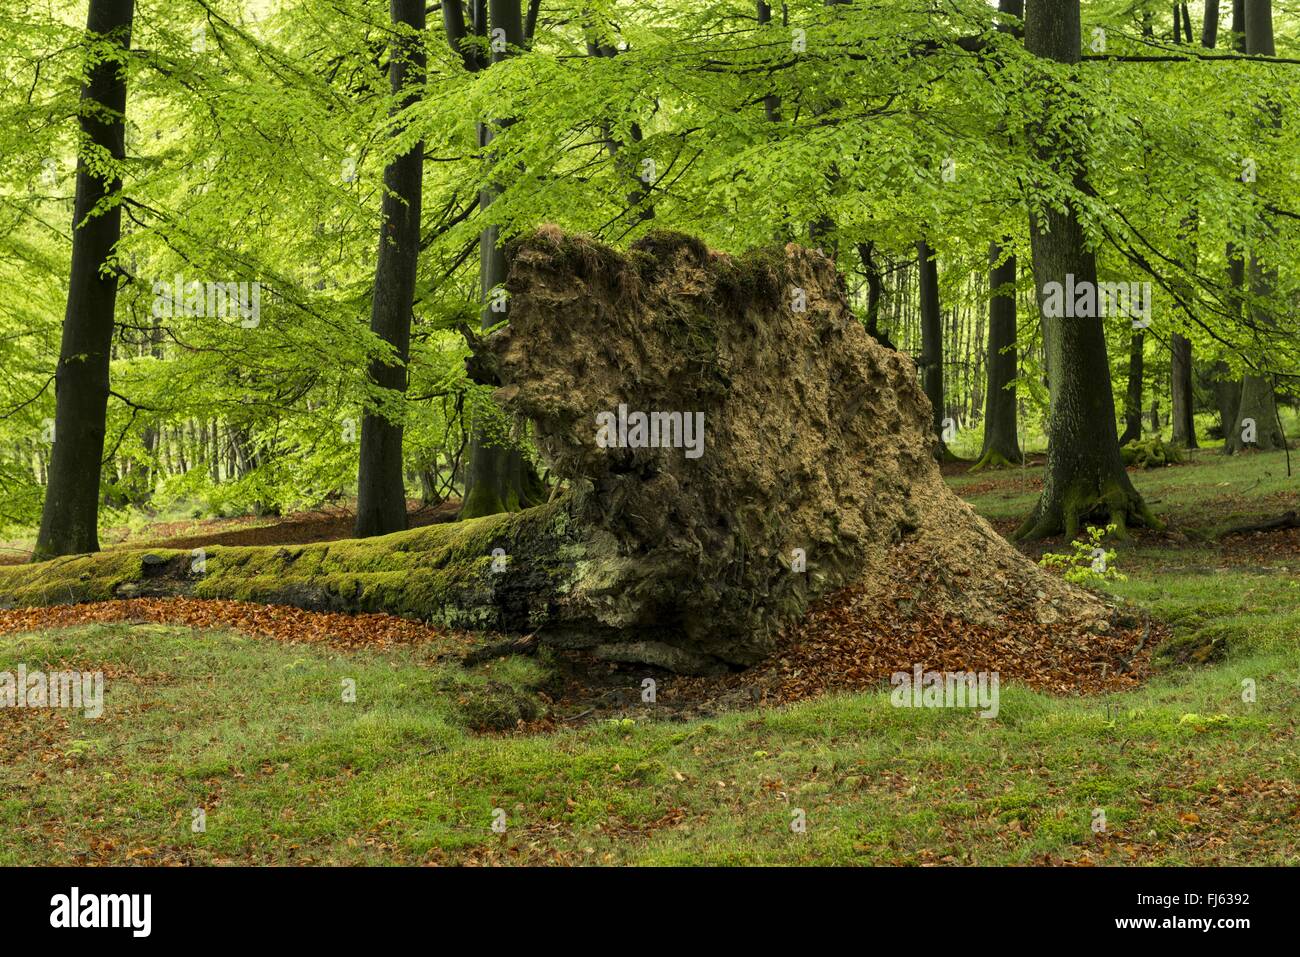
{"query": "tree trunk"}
pixel 1227 398
pixel 875 287
pixel 931 341
pixel 1001 439
pixel 1184 424
pixel 1255 425
pixel 1133 396
pixel 381 485
pixel 1257 414
pixel 771 102
pixel 70 517
pixel 498 477
pixel 1085 479
pixel 1210 28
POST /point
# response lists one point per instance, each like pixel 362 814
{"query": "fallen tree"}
pixel 734 445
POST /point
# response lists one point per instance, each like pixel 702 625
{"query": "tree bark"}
pixel 1181 396
pixel 1085 479
pixel 771 102
pixel 931 340
pixel 1210 27
pixel 381 485
pixel 498 478
pixel 1257 412
pixel 1133 395
pixel 70 516
pixel 1001 439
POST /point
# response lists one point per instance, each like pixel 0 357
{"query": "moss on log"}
pixel 503 572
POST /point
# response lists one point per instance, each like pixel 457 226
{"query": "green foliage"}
pixel 1089 563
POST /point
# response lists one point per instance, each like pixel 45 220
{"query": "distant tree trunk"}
pixel 70 516
pixel 1210 27
pixel 1001 407
pixel 638 199
pixel 1085 479
pixel 875 289
pixel 1181 364
pixel 381 484
pixel 498 478
pixel 771 102
pixel 1257 413
pixel 1227 398
pixel 1180 387
pixel 1133 397
pixel 1001 438
pixel 931 340
pixel 1255 424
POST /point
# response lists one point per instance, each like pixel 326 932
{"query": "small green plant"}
pixel 1090 563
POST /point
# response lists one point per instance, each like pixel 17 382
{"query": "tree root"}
pixel 993 459
pixel 1068 510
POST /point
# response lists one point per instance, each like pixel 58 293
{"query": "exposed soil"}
pixel 816 464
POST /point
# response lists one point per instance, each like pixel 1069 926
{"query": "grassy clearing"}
pixel 257 733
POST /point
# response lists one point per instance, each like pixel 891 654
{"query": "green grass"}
pixel 1208 494
pixel 256 732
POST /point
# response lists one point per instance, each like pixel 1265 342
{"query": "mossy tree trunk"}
pixel 70 515
pixel 1086 479
pixel 381 483
pixel 1001 439
pixel 689 555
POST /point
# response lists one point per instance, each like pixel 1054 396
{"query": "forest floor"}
pixel 237 710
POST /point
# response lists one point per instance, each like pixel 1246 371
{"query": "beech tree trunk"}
pixel 1001 438
pixel 1210 27
pixel 931 340
pixel 1257 416
pixel 1133 396
pixel 1184 425
pixel 381 484
pixel 1086 480
pixel 497 478
pixel 70 516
